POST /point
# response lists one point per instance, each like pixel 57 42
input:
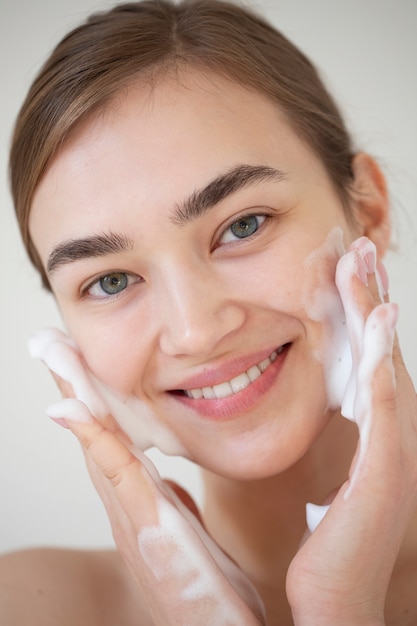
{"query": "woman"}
pixel 188 191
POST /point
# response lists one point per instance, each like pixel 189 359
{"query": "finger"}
pixel 125 472
pixel 171 544
pixel 362 287
pixel 351 281
pixel 371 330
pixel 375 275
pixel 64 360
pixel 375 398
pixel 64 386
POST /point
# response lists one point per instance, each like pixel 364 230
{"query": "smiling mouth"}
pixel 235 385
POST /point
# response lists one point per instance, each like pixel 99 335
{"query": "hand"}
pixel 181 574
pixel 341 573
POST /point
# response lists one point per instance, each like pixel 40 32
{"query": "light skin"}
pixel 202 305
pixel 187 325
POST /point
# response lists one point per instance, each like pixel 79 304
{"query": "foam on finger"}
pixel 135 418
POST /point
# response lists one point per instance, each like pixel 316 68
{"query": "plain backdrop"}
pixel 367 52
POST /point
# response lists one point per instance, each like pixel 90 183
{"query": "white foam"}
pixel 352 348
pixel 190 565
pixel 70 408
pixel 134 416
pixel 315 513
pixel 324 305
pixel 377 341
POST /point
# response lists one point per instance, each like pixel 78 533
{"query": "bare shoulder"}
pixel 45 587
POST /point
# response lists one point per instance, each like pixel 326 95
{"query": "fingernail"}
pixel 71 410
pixel 370 261
pixel 361 268
pixel 60 421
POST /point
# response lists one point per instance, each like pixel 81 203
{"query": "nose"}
pixel 196 314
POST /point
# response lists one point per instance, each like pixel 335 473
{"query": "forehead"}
pixel 153 145
pixel 178 108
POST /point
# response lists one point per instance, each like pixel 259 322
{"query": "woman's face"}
pixel 191 238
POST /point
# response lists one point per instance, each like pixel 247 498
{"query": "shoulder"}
pixel 54 586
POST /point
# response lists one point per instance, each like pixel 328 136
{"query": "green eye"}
pixel 113 283
pixel 242 228
pixel 109 285
pixel 245 226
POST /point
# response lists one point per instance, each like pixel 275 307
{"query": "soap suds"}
pixel 199 581
pixel 324 305
pixel 189 564
pixel 352 348
pixel 371 341
pixel 315 513
pixel 351 351
pixel 135 418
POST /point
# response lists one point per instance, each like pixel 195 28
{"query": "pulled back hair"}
pixel 142 39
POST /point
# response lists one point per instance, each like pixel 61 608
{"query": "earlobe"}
pixel 371 199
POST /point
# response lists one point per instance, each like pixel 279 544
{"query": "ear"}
pixel 371 201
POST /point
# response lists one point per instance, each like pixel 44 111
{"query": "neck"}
pixel 261 523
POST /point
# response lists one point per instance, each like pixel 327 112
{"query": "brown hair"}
pixel 94 61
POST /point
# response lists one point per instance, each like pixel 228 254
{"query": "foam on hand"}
pixel 371 341
pixel 315 514
pixel 202 585
pixel 352 347
pixel 134 417
pixel 323 305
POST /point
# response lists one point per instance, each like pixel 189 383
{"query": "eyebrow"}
pixel 96 245
pixel 198 203
pixel 237 178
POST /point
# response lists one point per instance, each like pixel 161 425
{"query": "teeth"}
pixel 195 393
pixel 208 393
pixel 253 373
pixel 240 382
pixel 264 364
pixel 223 390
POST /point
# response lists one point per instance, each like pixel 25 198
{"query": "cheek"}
pixel 273 281
pixel 287 281
pixel 303 287
pixel 114 350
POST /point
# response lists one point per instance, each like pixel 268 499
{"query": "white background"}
pixel 367 51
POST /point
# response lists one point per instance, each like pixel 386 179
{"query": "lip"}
pixel 212 376
pixel 240 402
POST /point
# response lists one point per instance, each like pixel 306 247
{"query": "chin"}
pixel 266 450
pixel 248 460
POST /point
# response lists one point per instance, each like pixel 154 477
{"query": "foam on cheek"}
pixel 323 304
pixel 370 342
pixel 173 552
pixel 137 420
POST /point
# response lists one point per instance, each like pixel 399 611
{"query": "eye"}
pixel 110 284
pixel 242 228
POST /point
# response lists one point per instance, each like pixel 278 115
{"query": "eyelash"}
pixel 130 280
pixel 260 218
